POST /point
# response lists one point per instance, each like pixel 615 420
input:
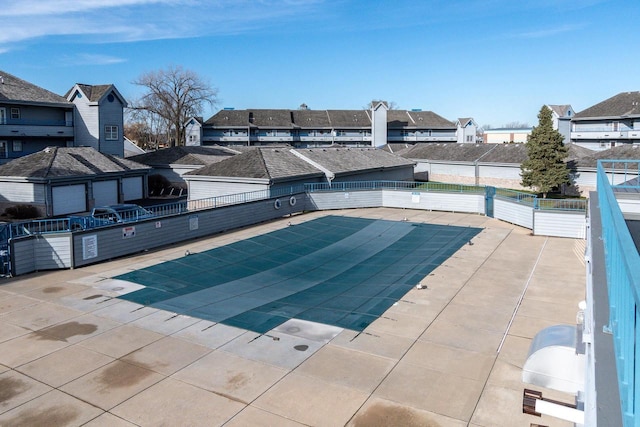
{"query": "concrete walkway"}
pixel 448 355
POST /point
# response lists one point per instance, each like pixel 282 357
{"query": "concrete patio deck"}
pixel 448 355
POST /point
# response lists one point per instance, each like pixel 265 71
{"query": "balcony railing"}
pixel 623 281
pixel 30 128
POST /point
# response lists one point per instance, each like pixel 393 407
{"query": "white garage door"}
pixel 105 192
pixel 132 188
pixel 69 199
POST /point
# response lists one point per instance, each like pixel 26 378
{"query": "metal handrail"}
pixel 623 279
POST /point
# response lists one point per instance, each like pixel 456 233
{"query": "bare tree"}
pixel 516 125
pixel 390 105
pixel 174 95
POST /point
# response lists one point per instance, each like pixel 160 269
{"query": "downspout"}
pixel 477 168
pixel 327 173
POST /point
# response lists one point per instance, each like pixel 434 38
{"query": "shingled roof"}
pixel 16 90
pixel 345 119
pixel 280 163
pixel 345 160
pixel 260 163
pixel 185 155
pixel 229 118
pixel 484 153
pixel 315 119
pixel 623 152
pixel 560 110
pixel 625 104
pixel 319 119
pixel 429 119
pixel 67 162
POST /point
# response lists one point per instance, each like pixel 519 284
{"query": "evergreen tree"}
pixel 544 168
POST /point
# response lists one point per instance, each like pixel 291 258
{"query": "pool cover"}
pixel 335 270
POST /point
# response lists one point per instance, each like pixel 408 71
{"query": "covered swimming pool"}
pixel 334 270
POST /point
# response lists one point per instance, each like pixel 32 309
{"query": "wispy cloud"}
pixel 549 32
pixel 92 59
pixel 100 21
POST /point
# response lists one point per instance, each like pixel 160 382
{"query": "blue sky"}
pixel 497 61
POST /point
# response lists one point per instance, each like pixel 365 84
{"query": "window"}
pixel 192 138
pixel 3 149
pixel 15 113
pixel 17 146
pixel 111 133
pixel 3 116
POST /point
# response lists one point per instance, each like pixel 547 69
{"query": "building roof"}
pixel 14 89
pixel 451 151
pixel 344 119
pixel 484 153
pixel 67 162
pixel 624 104
pixel 94 93
pixel 260 163
pixel 185 155
pixel 281 163
pixel 229 118
pixel 560 110
pixel 623 152
pixel 465 121
pixel 316 119
pixel 325 119
pixel 429 119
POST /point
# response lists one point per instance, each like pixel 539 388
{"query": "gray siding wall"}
pixel 514 213
pixel 67 250
pixel 204 189
pixel 559 224
pixel 110 113
pixel 118 241
pixel 23 258
pixel 22 192
pixel 44 252
pixel 344 200
pixel 450 202
pixel 86 129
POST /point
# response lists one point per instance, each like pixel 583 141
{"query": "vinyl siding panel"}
pixel 451 202
pixel 22 192
pixel 514 213
pixel 22 256
pixel 560 224
pixel 132 188
pixel 87 130
pixel 113 242
pixel 110 114
pixel 205 189
pixel 52 252
pixel 467 170
pixel 345 200
pixel 105 192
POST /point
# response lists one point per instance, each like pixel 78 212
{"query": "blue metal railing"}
pixel 392 185
pixel 623 279
pixel 517 196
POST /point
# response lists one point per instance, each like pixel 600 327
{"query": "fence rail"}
pixel 393 185
pixel 623 279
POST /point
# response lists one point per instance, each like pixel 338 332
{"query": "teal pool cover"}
pixel 335 270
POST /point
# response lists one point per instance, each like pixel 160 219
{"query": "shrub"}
pixel 22 212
